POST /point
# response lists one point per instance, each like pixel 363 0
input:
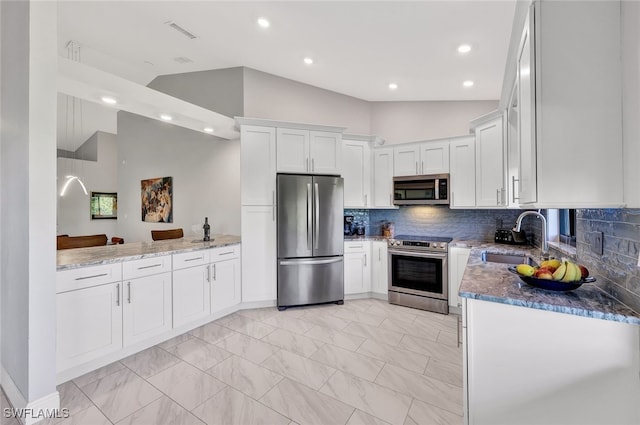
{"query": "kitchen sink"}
pixel 494 257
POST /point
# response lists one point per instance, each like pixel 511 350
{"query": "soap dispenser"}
pixel 207 229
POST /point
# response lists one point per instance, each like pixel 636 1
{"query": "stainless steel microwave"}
pixel 421 190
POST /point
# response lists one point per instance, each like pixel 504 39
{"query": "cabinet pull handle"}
pixel 503 196
pixel 356 246
pixel 118 294
pixel 365 200
pixel 497 196
pixel 214 271
pixel 91 277
pixel 194 259
pixel 273 205
pixel 513 188
pixel 417 168
pixel 313 164
pixel 379 254
pixel 226 253
pixel 129 292
pixel 209 274
pixel 422 168
pixel 306 166
pixel 365 259
pixel 149 267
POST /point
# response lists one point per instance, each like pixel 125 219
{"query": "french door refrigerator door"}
pixel 310 281
pixel 328 211
pixel 295 216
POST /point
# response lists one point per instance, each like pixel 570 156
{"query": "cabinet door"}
pixel 513 149
pixel 147 307
pixel 406 160
pixel 225 284
pixel 258 229
pixel 527 192
pixel 191 299
pixel 490 165
pixel 380 267
pixel 382 177
pixel 292 151
pixel 434 158
pixel 357 269
pixel 463 174
pixel 257 165
pixel 89 324
pixel 458 258
pixel 357 173
pixel 325 150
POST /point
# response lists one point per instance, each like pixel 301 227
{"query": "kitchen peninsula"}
pixel 536 356
pixel 113 301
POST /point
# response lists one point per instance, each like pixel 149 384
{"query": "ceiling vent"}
pixel 182 59
pixel 181 30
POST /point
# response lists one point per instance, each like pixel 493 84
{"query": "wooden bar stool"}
pixel 160 235
pixel 67 242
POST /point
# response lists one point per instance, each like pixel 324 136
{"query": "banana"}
pixel 570 275
pixel 560 271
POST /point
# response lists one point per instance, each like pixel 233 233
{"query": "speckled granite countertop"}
pixel 493 282
pixel 364 238
pixel 82 257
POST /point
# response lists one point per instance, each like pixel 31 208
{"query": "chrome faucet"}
pixel 545 232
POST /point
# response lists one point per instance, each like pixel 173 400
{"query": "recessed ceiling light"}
pixel 308 61
pixel 393 86
pixel 166 117
pixel 468 83
pixel 464 48
pixel 264 23
pixel 109 100
pixel 208 129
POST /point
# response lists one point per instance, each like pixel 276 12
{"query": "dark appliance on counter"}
pixel 349 225
pixel 421 190
pixel 419 272
pixel 310 245
pixel 510 237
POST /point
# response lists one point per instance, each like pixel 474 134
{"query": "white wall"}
pixel 631 100
pixel 399 122
pixel 271 97
pixel 73 216
pixel 28 263
pixel 205 171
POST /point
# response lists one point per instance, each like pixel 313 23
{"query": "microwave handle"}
pixel 437 189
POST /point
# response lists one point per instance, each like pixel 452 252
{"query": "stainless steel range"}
pixel 419 272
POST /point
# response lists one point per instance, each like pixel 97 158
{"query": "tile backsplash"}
pixel 617 268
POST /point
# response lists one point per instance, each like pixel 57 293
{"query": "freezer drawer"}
pixel 310 281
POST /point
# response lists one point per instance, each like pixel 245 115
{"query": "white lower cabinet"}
pixel 89 324
pixel 357 267
pixel 225 284
pixel 458 257
pixel 379 267
pixel 147 307
pixel 191 294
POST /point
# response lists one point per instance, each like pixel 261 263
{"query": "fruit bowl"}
pixel 551 285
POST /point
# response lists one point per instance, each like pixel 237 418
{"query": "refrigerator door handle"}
pixel 310 261
pixel 309 217
pixel 317 218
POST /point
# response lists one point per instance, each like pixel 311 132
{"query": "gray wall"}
pixel 99 175
pixel 399 122
pixel 631 100
pixel 205 171
pixel 219 90
pixel 272 97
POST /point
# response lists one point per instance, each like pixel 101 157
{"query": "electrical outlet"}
pixel 596 242
pixel 638 260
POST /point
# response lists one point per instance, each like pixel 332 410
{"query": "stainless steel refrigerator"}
pixel 310 240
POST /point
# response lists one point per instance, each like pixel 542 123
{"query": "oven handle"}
pixel 427 254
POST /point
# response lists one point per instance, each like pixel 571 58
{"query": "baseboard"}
pixel 33 411
pixel 256 304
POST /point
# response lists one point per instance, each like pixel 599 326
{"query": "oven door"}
pixel 419 273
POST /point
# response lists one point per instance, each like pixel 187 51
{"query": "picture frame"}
pixel 103 206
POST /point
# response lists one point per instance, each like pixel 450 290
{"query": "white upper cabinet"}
pixel 382 177
pixel 569 106
pixel 406 159
pixel 434 158
pixel 463 177
pixel 421 158
pixel 356 155
pixel 513 149
pixel 490 166
pixel 257 165
pixel 308 151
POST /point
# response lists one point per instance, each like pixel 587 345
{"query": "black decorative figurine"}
pixel 207 229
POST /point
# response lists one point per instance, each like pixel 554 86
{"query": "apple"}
pixel 544 273
pixel 583 271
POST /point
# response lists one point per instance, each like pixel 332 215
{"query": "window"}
pixel 104 205
pixel 567 224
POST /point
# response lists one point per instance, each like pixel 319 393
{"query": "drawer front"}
pixel 146 267
pixel 190 259
pixel 225 253
pixel 353 247
pixel 85 277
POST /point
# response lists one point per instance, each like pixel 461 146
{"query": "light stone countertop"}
pixel 493 282
pixel 96 255
pixel 355 238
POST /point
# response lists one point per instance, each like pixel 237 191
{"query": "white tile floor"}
pixel 365 362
